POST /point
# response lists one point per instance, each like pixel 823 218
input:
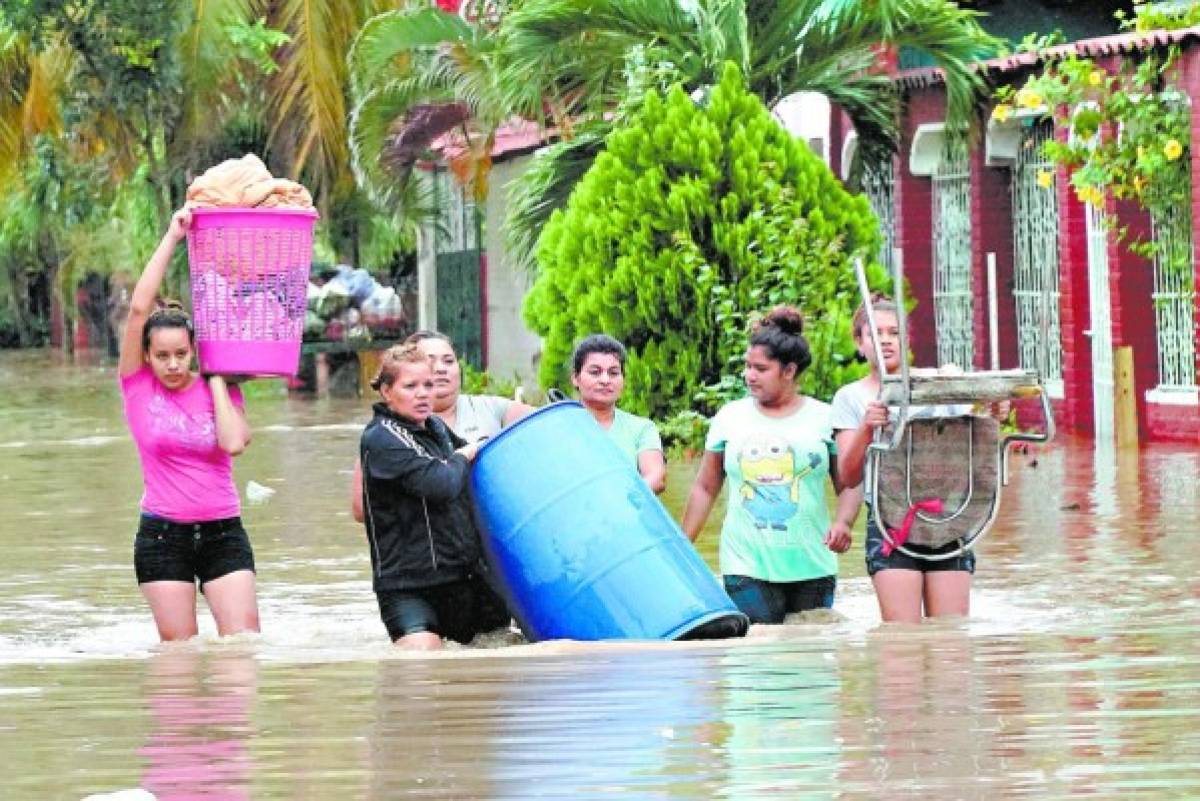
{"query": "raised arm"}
pixel 233 432
pixel 141 303
pixel 704 492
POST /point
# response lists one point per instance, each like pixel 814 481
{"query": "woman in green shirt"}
pixel 598 373
pixel 778 548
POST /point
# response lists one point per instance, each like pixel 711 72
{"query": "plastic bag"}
pixel 358 282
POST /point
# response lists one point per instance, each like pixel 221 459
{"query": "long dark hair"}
pixel 781 334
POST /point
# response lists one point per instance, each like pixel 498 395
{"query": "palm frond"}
pixel 730 27
pixel 571 49
pixel 386 37
pixel 14 83
pixel 953 39
pixel 400 190
pixel 830 46
pixel 31 97
pixel 545 186
pixel 308 92
pixel 204 47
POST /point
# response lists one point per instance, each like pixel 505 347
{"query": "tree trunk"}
pixel 18 302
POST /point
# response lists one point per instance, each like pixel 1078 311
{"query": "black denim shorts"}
pixel 876 561
pixel 164 550
pixel 456 611
pixel 771 601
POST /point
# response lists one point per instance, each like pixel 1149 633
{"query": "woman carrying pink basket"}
pixel 187 429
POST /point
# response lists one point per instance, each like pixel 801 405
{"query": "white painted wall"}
pixel 426 277
pixel 807 115
pixel 512 348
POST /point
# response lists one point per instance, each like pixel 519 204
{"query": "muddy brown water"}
pixel 1077 674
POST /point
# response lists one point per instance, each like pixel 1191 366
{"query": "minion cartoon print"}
pixel 771 476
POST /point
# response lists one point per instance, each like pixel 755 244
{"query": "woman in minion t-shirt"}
pixel 778 549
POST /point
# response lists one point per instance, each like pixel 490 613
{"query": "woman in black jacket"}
pixel 425 552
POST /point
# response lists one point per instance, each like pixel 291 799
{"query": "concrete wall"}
pixel 511 348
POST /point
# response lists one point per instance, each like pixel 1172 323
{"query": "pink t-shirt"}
pixel 187 477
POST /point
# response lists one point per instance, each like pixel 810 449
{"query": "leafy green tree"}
pixel 127 82
pixel 138 98
pixel 588 55
pixel 574 65
pixel 146 90
pixel 694 217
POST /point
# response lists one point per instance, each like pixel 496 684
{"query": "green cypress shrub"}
pixel 696 217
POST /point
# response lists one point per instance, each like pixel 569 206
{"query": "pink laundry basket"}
pixel 249 271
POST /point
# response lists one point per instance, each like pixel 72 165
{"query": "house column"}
pixel 1074 412
pixel 914 222
pixel 992 232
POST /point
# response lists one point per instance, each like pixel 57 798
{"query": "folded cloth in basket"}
pixel 223 311
pixel 245 183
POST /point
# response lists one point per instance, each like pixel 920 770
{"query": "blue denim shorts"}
pixel 457 611
pixel 164 550
pixel 771 601
pixel 876 561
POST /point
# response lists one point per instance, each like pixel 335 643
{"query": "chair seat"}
pixel 951 459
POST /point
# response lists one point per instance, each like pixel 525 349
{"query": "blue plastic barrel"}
pixel 579 545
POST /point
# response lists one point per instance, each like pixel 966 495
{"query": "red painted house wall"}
pixel 1131 278
pixel 991 232
pixel 1074 411
pixel 914 223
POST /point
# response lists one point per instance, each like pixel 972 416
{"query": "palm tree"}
pixel 75 194
pixel 831 47
pixel 30 103
pixel 417 74
pixel 308 101
pixel 575 64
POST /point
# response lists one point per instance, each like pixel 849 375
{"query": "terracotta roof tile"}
pixel 1087 48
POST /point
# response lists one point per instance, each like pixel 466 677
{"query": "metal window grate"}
pixel 952 292
pixel 1035 260
pixel 1175 301
pixel 878 183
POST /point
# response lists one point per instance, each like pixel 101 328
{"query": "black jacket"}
pixel 415 503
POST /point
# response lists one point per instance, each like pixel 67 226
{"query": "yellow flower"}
pixel 1045 179
pixel 1027 98
pixel 1091 195
pixel 1139 183
pixel 1172 149
pixel 1096 78
pixel 1141 152
pixel 1002 112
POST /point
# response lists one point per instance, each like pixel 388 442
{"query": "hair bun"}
pixel 787 319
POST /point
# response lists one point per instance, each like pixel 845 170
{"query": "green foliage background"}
pixel 695 217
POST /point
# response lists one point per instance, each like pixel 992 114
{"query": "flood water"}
pixel 1076 676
